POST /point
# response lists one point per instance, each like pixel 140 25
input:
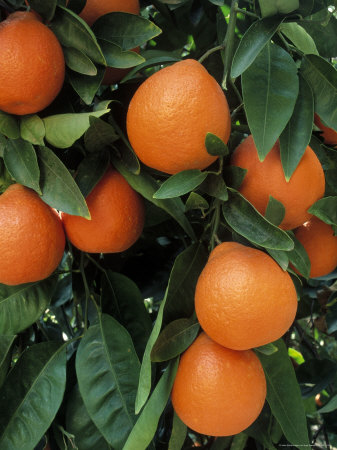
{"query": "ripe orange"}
pixel 266 178
pixel 170 114
pixel 329 134
pixel 117 217
pixel 96 8
pixel 32 64
pixel 243 299
pixel 218 391
pixel 319 241
pixel 32 238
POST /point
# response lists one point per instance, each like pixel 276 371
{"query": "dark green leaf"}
pixel 234 176
pixel 299 37
pixel 107 370
pixel 32 129
pixel 45 9
pixel 248 222
pixel 116 57
pixel 91 170
pixel 252 42
pixel 32 395
pixel 62 130
pixel 22 305
pixel 325 209
pixel 21 162
pixel 270 89
pixel 146 425
pixel 86 86
pixel 100 135
pixel 174 339
pixel 280 257
pixel 215 186
pixel 79 61
pixel 275 211
pixel 299 258
pixel 178 435
pixel 331 316
pixel 160 60
pixel 126 30
pixel 180 183
pixel 322 78
pixel 9 125
pixel 6 343
pixel 297 134
pixel 330 406
pixel 260 429
pixel 322 26
pixel 195 201
pixel 272 7
pixel 315 375
pixel 215 146
pixel 267 349
pixel 59 189
pixel 76 5
pixel 79 424
pixel 284 396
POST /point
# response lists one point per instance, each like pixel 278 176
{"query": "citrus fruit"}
pixel 171 113
pixel 94 9
pixel 317 237
pixel 117 217
pixel 305 187
pixel 243 299
pixel 32 238
pixel 329 134
pixel 32 64
pixel 218 391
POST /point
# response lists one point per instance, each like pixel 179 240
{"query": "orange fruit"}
pixel 243 299
pixel 305 187
pixel 96 8
pixel 32 64
pixel 117 217
pixel 218 391
pixel 32 238
pixel 329 134
pixel 317 237
pixel 170 114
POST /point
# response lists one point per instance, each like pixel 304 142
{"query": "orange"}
pixel 32 64
pixel 243 299
pixel 266 178
pixel 32 238
pixel 218 391
pixel 170 114
pixel 117 217
pixel 317 237
pixel 96 8
pixel 329 134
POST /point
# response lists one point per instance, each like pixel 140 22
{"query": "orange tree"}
pixel 91 343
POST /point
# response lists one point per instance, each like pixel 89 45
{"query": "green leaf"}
pixel 179 184
pixel 280 257
pixel 30 402
pixel 32 129
pixel 9 126
pixel 178 435
pixel 22 305
pixel 73 32
pixel 86 86
pixel 270 89
pixel 21 162
pixel 116 57
pixel 284 395
pixel 6 344
pixel 107 370
pixel 147 186
pixel 100 134
pixel 322 27
pixel 297 134
pixel 215 146
pixel 248 222
pixel 215 186
pixel 322 78
pixel 299 37
pixel 325 209
pixel 79 424
pixel 62 130
pixel 252 42
pixel 91 170
pixel 195 201
pixel 267 349
pixel 299 258
pixel 315 375
pixel 59 189
pixel 45 9
pixel 272 7
pixel 330 406
pixel 234 176
pixel 174 339
pixel 146 425
pixel 275 211
pixel 79 61
pixel 151 62
pixel 260 429
pixel 125 30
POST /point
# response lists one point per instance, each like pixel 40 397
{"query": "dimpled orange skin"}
pixel 243 299
pixel 97 8
pixel 329 134
pixel 319 241
pixel 305 187
pixel 170 115
pixel 117 217
pixel 32 64
pixel 32 238
pixel 218 391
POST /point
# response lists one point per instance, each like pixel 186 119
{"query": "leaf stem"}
pixel 209 52
pixel 247 13
pixel 229 42
pixel 87 292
